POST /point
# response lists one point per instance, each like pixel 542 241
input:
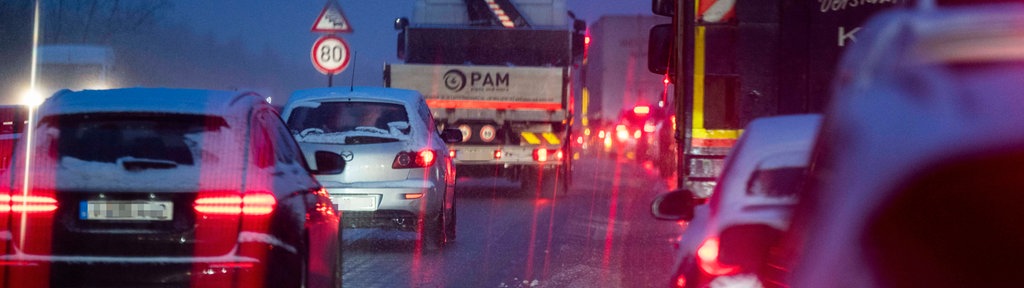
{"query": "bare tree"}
pixel 99 21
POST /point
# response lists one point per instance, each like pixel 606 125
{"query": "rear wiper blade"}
pixel 137 164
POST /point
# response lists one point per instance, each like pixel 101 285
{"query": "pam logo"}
pixel 455 80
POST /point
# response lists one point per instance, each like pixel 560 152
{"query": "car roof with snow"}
pixel 156 100
pixel 902 107
pixel 405 96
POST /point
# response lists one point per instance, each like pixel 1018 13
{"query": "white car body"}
pixel 771 142
pixel 901 109
pixel 371 192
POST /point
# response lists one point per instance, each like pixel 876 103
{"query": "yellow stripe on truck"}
pixel 552 138
pixel 530 138
pixel 698 130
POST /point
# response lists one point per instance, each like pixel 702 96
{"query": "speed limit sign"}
pixel 330 54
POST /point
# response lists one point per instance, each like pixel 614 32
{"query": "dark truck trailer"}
pixel 747 59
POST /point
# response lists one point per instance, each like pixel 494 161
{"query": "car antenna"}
pixel 352 84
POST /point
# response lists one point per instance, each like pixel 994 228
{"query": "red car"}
pixel 164 187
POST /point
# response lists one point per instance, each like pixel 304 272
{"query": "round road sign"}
pixel 330 54
pixel 487 133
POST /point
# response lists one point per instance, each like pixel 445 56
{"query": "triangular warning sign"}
pixel 332 20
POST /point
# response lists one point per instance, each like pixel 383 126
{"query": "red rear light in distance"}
pixel 421 159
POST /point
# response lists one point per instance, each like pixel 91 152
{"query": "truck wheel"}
pixel 552 184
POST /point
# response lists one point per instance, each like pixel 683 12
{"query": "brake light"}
pixel 541 154
pixel 451 154
pixel 681 281
pixel 497 154
pixel 637 134
pixel 421 159
pixel 641 110
pixel 649 128
pixel 250 204
pixel 707 257
pixel 20 203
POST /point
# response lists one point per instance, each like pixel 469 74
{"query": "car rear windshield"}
pixel 169 138
pixel 337 117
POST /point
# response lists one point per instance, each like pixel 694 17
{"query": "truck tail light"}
pixel 421 159
pixel 707 258
pixel 497 154
pixel 542 154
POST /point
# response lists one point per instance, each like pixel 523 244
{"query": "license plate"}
pixel 127 210
pixel 468 154
pixel 355 203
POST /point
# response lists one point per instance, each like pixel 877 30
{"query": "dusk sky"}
pixel 284 27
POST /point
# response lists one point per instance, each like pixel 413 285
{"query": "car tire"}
pixel 450 228
pixel 552 185
pixel 433 233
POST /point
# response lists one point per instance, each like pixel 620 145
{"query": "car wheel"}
pixel 450 231
pixel 433 233
pixel 339 263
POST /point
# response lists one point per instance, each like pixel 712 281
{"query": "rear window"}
pixel 158 138
pixel 347 116
pixel 349 122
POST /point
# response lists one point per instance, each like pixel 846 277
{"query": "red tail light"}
pixel 421 159
pixel 497 154
pixel 707 257
pixel 680 281
pixel 542 155
pixel 20 203
pixel 250 204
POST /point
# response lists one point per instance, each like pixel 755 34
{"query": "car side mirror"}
pixel 328 163
pixel 676 205
pixel 451 135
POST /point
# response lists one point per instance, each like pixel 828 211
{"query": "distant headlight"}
pixel 31 97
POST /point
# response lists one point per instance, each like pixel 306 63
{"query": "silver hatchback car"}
pixel 398 173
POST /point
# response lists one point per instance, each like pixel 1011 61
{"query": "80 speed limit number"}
pixel 330 54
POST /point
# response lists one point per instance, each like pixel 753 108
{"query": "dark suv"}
pixel 164 187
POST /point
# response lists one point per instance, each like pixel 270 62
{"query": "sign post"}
pixel 331 54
